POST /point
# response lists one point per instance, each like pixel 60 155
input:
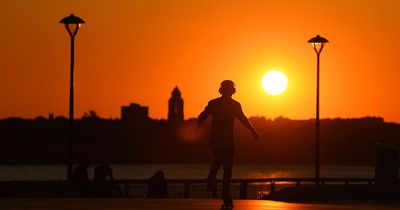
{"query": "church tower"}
pixel 175 106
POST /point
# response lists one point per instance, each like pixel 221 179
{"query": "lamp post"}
pixel 318 44
pixel 72 24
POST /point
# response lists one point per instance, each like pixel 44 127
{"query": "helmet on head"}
pixel 227 87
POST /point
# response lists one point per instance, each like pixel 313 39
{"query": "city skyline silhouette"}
pixel 125 49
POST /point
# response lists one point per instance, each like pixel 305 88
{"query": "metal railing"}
pixel 177 188
pixel 240 188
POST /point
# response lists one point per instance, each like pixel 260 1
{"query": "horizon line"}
pixel 192 118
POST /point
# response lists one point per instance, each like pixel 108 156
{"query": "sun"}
pixel 274 82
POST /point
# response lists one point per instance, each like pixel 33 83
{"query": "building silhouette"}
pixel 134 112
pixel 175 106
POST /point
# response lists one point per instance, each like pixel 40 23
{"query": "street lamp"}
pixel 318 44
pixel 72 24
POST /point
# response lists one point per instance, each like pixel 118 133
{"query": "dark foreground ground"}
pixel 182 204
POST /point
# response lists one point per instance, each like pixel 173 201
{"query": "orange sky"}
pixel 137 51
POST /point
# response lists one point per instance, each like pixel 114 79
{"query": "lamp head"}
pixel 318 43
pixel 72 24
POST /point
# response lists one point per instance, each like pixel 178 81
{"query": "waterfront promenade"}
pixel 182 204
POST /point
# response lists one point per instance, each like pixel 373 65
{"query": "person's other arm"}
pixel 245 122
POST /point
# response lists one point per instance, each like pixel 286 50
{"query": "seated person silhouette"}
pixel 224 110
pixel 80 179
pixel 157 186
pixel 103 181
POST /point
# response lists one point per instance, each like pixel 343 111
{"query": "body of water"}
pixel 58 172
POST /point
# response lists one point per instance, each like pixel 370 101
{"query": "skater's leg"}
pixel 226 185
pixel 216 164
pixel 212 175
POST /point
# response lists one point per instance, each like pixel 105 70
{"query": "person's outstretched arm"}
pixel 203 115
pixel 245 122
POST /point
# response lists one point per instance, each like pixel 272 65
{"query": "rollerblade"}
pixel 228 202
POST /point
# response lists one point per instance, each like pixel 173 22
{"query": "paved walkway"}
pixel 179 204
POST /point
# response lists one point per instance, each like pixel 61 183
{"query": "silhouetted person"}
pixel 157 186
pixel 103 180
pixel 224 110
pixel 80 179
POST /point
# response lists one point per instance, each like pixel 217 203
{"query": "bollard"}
pixel 272 186
pixel 387 171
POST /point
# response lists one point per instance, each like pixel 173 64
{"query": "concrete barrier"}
pixel 387 172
